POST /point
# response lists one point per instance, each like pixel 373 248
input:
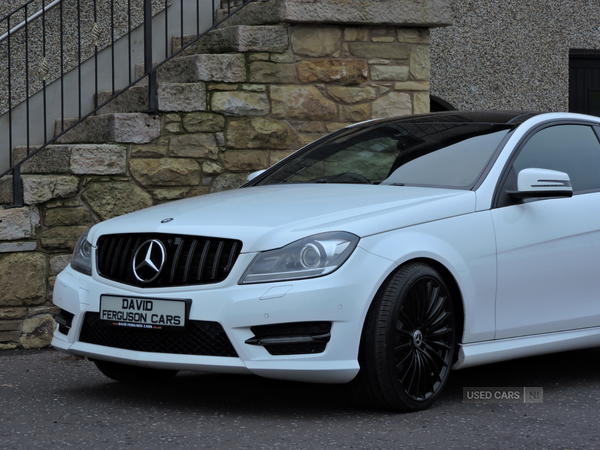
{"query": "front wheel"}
pixel 408 341
pixel 133 374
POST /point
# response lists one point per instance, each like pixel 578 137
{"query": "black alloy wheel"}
pixel 408 341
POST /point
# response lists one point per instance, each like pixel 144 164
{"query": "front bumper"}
pixel 341 298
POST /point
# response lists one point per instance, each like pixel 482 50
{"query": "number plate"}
pixel 149 313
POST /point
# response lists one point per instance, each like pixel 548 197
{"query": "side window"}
pixel 573 149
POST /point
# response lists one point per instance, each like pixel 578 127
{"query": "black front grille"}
pixel 189 260
pixel 199 338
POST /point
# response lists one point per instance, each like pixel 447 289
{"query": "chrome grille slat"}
pixel 115 262
pixel 128 260
pixel 123 265
pixel 216 261
pixel 231 258
pixel 188 263
pixel 190 260
pixel 109 251
pixel 203 260
pixel 177 256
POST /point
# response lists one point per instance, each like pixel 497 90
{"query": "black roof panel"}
pixel 484 117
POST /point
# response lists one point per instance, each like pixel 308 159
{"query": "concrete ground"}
pixel 52 401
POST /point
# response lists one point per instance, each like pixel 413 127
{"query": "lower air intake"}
pixel 199 338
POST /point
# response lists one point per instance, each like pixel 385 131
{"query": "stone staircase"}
pixel 216 58
pixel 198 94
pixel 238 39
pixel 238 100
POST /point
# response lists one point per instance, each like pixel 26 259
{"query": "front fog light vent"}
pixel 292 338
pixel 65 321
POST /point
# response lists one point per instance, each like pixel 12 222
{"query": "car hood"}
pixel 267 217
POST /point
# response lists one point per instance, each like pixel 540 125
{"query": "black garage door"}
pixel 584 81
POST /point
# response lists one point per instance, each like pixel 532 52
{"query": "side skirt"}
pixel 479 353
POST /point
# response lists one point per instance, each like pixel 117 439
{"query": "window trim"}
pixel 492 162
pixel 519 147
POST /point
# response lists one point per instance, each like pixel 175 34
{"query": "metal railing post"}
pixel 152 79
pixel 17 187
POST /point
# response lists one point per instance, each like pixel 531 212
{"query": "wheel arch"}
pixel 375 384
pixel 449 279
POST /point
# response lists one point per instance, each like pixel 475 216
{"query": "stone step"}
pixel 221 68
pixel 181 97
pixel 53 159
pixel 232 3
pixel 6 191
pixel 252 15
pixel 77 159
pixel 126 128
pixel 37 189
pixel 135 99
pixel 390 12
pixel 237 39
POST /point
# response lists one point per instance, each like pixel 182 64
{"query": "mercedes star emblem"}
pixel 166 220
pixel 149 260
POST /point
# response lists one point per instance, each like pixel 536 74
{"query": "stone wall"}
pixel 222 116
pixel 36 241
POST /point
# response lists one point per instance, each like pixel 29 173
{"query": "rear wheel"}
pixel 408 341
pixel 133 374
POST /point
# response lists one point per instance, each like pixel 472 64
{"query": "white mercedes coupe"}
pixel 384 254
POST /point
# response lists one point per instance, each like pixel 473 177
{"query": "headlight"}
pixel 82 255
pixel 311 257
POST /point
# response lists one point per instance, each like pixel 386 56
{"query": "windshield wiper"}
pixel 344 178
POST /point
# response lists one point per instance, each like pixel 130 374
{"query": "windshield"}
pixel 431 154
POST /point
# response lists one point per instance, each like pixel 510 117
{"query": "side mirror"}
pixel 253 175
pixel 542 183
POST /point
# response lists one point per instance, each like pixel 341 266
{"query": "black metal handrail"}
pixel 32 39
pixel 28 19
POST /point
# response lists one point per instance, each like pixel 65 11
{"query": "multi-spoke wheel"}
pixel 133 374
pixel 408 341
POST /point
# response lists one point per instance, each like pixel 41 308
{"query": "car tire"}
pixel 408 341
pixel 133 374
